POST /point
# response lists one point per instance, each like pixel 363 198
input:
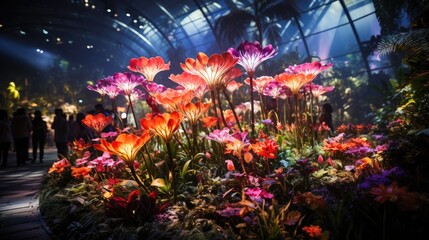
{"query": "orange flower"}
pixel 363 163
pixel 80 172
pixel 188 81
pixel 313 231
pixel 260 83
pixel 293 81
pixel 209 121
pixel 149 67
pixel 59 166
pixel 212 69
pixel 237 147
pixel 308 198
pixel 390 193
pixel 126 146
pixel 164 125
pixel 193 111
pixel 170 99
pixel 233 85
pixel 267 149
pixel 97 122
pixel 230 165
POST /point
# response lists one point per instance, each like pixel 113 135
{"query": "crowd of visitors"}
pixel 23 130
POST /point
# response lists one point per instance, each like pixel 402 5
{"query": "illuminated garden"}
pixel 251 142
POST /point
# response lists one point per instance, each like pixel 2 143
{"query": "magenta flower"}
pixel 136 94
pixel 318 90
pixel 153 88
pixel 310 70
pixel 127 82
pixel 221 136
pixel 257 194
pixel 274 90
pixel 99 87
pixel 250 55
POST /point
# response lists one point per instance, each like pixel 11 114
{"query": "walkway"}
pixel 19 214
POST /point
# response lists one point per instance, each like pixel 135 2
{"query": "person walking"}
pixel 60 127
pixel 5 137
pixel 39 136
pixel 21 130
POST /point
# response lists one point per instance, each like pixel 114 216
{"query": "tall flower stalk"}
pixel 126 146
pixel 165 126
pixel 249 56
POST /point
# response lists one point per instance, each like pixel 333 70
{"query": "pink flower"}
pixel 257 194
pixel 230 165
pixel 221 136
pixel 250 55
pixel 127 82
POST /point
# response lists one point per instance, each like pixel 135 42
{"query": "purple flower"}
pixel 220 136
pixel 257 194
pixel 267 122
pixel 136 94
pixel 274 90
pixel 127 82
pixel 153 88
pixel 360 151
pixel 229 212
pixel 250 55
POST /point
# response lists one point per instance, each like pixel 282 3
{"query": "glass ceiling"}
pixel 110 32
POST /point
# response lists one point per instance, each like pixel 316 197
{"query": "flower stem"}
pixel 231 105
pixel 139 182
pixel 220 107
pixel 252 115
pixel 212 94
pixel 132 110
pixel 172 170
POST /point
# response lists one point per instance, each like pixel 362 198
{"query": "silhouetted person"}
pixel 60 133
pixel 5 137
pixel 21 129
pixel 82 131
pixel 73 128
pixel 326 117
pixel 40 130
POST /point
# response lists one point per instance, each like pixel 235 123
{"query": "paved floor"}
pixel 19 214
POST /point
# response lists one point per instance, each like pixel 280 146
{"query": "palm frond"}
pixel 414 45
pixel 233 27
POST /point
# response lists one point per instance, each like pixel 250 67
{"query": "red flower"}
pixel 149 67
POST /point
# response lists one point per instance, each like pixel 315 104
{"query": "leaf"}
pixel 159 182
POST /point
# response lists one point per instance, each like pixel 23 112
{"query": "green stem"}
pixel 132 110
pixel 139 182
pixel 231 105
pixel 220 107
pixel 252 111
pixel 187 137
pixel 172 170
pixel 311 117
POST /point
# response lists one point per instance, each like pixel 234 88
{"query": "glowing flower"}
pixel 164 125
pixel 193 111
pixel 318 90
pixel 126 146
pixel 293 81
pixel 188 81
pixel 98 87
pixel 260 83
pixel 97 122
pixel 209 121
pixel 212 69
pixel 257 194
pixel 59 166
pixel 149 67
pixel 309 70
pixel 127 82
pixel 230 76
pixel 233 86
pixel 153 88
pixel 250 55
pixel 171 99
pixel 136 94
pixel 313 231
pixel 274 90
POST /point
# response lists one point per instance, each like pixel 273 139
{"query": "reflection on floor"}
pixel 19 214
